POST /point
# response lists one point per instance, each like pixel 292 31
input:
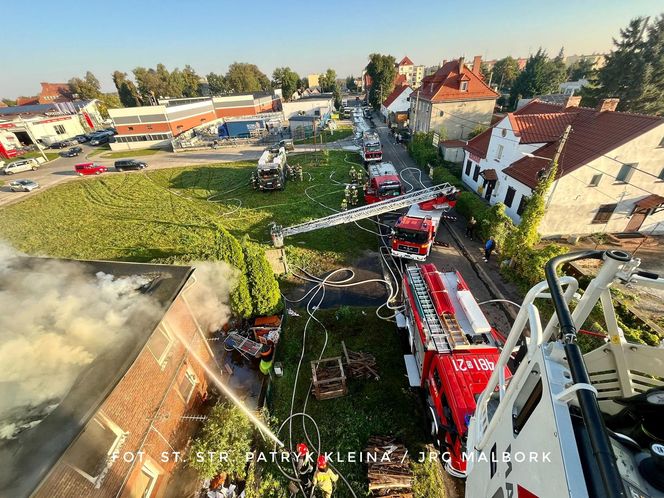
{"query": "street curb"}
pixel 484 276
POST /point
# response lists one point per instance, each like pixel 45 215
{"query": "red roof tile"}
pixel 400 80
pixel 444 85
pixel 54 92
pixel 405 62
pixel 540 128
pixel 394 95
pixel 593 134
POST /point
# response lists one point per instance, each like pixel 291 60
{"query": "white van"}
pixel 21 165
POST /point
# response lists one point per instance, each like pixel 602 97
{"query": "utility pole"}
pixel 555 159
pixel 31 136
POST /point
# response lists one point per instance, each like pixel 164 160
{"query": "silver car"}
pixel 23 185
pixel 20 165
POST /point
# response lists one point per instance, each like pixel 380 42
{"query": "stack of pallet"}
pixel 329 378
pixel 389 468
pixel 360 365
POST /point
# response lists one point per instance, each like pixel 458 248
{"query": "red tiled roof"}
pixel 405 62
pixel 400 80
pixel 394 95
pixel 54 92
pixel 444 85
pixel 593 135
pixel 540 128
pixel 489 174
pixel 453 144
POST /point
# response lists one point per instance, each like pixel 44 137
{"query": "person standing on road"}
pixel 489 248
pixel 470 227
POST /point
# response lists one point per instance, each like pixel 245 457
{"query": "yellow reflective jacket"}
pixel 325 479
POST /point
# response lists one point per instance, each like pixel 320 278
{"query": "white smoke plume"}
pixel 57 318
pixel 214 283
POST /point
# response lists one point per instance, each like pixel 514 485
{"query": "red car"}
pixel 90 169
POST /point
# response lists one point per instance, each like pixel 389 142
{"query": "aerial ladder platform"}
pixel 359 213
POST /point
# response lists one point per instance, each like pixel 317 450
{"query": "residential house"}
pixel 453 101
pixel 573 87
pixel 408 73
pixel 115 428
pixel 396 102
pixel 610 176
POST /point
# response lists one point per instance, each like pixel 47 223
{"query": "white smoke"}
pixel 55 319
pixel 214 282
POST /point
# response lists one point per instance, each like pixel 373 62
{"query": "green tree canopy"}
pixel 191 82
pixel 505 72
pixel 217 83
pixel 350 83
pixel 244 77
pixel 263 285
pixel 328 81
pixel 286 79
pixel 87 88
pixel 583 68
pixel 541 75
pixel 127 91
pixel 9 102
pixel 382 70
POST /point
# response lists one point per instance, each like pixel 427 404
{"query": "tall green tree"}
pixel 286 79
pixel 217 83
pixel 191 82
pixel 350 83
pixel 263 285
pixel 328 80
pixel 86 88
pixel 127 91
pixel 382 70
pixel 243 77
pixel 541 75
pixel 581 69
pixel 505 72
pixel 9 102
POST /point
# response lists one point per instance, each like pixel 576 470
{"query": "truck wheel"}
pixel 35 168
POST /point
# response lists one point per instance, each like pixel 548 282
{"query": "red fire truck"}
pixel 454 351
pixel 372 150
pixel 414 233
pixel 384 183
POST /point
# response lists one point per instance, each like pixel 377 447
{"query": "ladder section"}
pixel 362 212
pixel 428 310
pixel 455 335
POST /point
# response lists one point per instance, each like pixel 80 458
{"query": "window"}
pixel 476 173
pixel 146 481
pixel 626 173
pixel 604 213
pixel 59 129
pixel 464 86
pixel 187 385
pixel 160 345
pixel 594 182
pixel 509 196
pixel 499 153
pixel 130 128
pixel 468 166
pixel 441 114
pixel 522 205
pixel 149 127
pixel 89 455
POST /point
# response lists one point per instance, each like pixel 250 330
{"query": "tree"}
pixel 263 285
pixel 286 79
pixel 304 83
pixel 486 72
pixel 127 91
pixel 350 83
pixel 244 78
pixel 217 83
pixel 634 70
pixel 505 72
pixel 540 76
pixel 226 429
pixel 328 81
pixel 108 101
pixel 191 82
pixel 382 70
pixel 581 69
pixel 87 88
pixel 9 102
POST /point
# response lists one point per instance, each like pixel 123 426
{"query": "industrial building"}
pixel 140 395
pixel 311 106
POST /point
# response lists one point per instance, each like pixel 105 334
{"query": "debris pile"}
pixel 389 470
pixel 360 365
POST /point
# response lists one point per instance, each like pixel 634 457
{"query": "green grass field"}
pixel 384 407
pixel 138 217
pixel 49 155
pixel 327 136
pixel 130 153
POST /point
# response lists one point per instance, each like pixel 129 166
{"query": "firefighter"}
pixel 324 478
pixel 304 468
pixel 267 358
pixel 354 196
pixel 344 204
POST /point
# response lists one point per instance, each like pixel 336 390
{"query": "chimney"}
pixel 443 63
pixel 461 68
pixel 607 105
pixel 477 63
pixel 573 101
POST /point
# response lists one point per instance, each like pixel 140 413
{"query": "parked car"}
pixel 82 138
pixel 99 140
pixel 125 164
pixel 60 145
pixel 20 165
pixel 72 152
pixel 90 169
pixel 23 185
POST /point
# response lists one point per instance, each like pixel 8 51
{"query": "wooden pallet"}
pixel 390 477
pixel 360 365
pixel 455 334
pixel 329 378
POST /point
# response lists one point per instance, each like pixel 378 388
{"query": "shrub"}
pixel 226 429
pixel 421 149
pixel 528 270
pixel 263 285
pixel 442 174
pixel 468 204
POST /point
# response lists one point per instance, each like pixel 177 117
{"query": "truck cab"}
pixel 384 183
pixel 270 172
pixel 372 150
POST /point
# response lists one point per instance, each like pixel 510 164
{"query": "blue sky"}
pixel 54 43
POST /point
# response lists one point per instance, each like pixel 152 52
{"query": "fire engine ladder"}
pixel 359 213
pixel 428 310
pixel 455 334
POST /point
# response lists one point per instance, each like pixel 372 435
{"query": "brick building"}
pixel 133 398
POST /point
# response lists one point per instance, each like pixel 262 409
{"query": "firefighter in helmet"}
pixel 324 477
pixel 304 468
pixel 267 358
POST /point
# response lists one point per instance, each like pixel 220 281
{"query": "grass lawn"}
pixel 130 153
pixel 141 216
pixel 49 155
pixel 327 136
pixel 384 407
pixel 99 150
